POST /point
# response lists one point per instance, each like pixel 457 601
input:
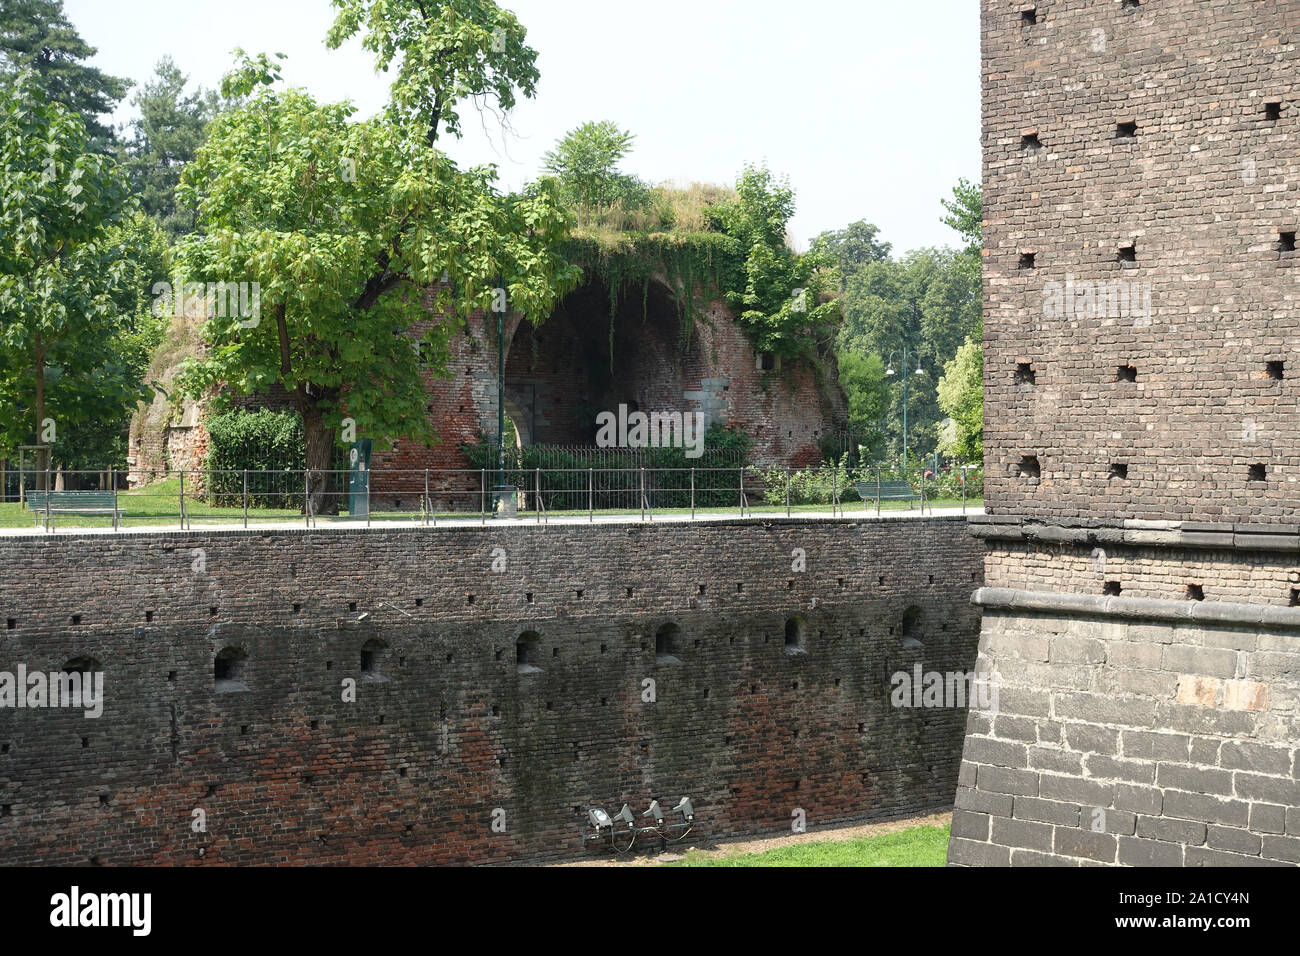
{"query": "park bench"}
pixel 41 503
pixel 879 491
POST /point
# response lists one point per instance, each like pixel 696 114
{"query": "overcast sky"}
pixel 870 107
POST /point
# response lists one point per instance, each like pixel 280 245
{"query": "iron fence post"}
pixel 182 499
pixel 245 497
pixel 428 504
pixel 787 491
pixel 112 480
pixel 692 492
pixel 591 495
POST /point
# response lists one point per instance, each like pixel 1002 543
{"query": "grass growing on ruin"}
pixel 919 846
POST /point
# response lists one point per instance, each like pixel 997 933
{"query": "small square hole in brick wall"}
pixel 212 612
pixel 1111 588
pixel 329 665
pixel 789 584
pixel 419 602
pixel 1024 374
pixel 1127 255
pixel 11 623
pixel 6 810
pixel 148 617
pixel 739 587
pixel 555 652
pixel 103 799
pixel 1128 130
pixel 550 705
pixel 604 702
pixel 496 710
pixel 1027 260
pixel 577 595
pixel 76 619
pixel 1029 467
pixel 1286 241
pixel 529 597
pixel 297 608
pixel 629 592
pixel 449 658
pixel 1295 597
pixel 1030 142
pixel 1129 4
pixel 171 676
pixel 881 580
pixel 352 605
pixel 1273 111
pixel 1126 373
pixel 1257 472
pixel 1275 369
pixel 315 725
pixel 1118 469
pixel 1194 592
pixel 85 742
pixel 469 599
pixel 243 729
pixel 1028 16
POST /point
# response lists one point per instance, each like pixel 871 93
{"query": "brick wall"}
pixel 1140 408
pixel 412 771
pixel 1200 193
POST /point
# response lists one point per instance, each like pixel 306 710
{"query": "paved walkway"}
pixel 200 525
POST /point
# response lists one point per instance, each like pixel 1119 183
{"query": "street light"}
pixel 890 371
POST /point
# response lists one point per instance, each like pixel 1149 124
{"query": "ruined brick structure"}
pixel 558 375
pixel 522 691
pixel 1141 368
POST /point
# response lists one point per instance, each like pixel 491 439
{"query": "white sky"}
pixel 871 107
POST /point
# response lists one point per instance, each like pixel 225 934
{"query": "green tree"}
pixel 585 161
pixel 853 247
pixel 62 269
pixel 966 216
pixel 165 138
pixel 783 298
pixel 961 396
pixel 925 303
pixel 446 52
pixel 862 376
pixel 36 35
pixel 348 229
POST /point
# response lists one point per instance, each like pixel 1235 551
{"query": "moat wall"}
pixel 445 728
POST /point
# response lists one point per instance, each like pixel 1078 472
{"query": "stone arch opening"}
pixel 561 375
pixel 373 654
pixel 228 669
pixel 912 619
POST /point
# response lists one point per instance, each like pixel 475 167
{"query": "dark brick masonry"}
pixel 771 686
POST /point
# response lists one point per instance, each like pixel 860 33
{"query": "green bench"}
pixel 879 491
pixel 41 503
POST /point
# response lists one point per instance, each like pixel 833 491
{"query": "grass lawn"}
pixel 919 846
pixel 159 503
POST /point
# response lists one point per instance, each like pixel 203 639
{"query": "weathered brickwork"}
pixel 1143 565
pixel 446 728
pixel 1201 193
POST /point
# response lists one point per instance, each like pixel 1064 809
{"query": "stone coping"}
pixel 1148 609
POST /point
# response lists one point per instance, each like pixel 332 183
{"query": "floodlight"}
pixel 685 809
pixel 655 812
pixel 599 818
pixel 626 816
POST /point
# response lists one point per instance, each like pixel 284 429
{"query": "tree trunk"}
pixel 42 451
pixel 320 449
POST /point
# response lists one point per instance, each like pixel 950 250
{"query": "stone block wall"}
pixel 771 685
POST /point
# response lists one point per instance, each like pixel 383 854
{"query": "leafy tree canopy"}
pixel 585 161
pixel 165 138
pixel 349 229
pixel 36 35
pixel 445 53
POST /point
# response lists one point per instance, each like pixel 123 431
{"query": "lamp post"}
pixel 889 370
pixel 503 495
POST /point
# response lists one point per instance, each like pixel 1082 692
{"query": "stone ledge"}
pixel 1207 612
pixel 1150 534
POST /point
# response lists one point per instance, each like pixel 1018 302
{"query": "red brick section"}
pixel 288 772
